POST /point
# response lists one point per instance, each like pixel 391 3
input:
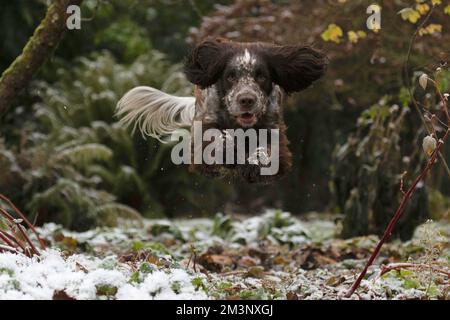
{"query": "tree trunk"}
pixel 38 48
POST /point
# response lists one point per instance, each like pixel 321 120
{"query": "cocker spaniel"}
pixel 239 90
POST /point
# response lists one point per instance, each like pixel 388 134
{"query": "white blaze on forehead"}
pixel 246 60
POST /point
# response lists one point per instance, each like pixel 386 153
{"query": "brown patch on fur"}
pixel 199 98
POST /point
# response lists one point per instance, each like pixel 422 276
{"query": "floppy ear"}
pixel 295 68
pixel 206 62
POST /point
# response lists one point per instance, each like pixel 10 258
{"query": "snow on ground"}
pixel 272 256
pixel 84 277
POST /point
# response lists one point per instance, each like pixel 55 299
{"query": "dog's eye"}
pixel 260 78
pixel 231 77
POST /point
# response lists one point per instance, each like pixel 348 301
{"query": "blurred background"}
pixel 63 157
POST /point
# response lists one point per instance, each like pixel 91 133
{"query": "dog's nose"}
pixel 247 100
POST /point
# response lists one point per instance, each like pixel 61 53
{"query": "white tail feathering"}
pixel 155 113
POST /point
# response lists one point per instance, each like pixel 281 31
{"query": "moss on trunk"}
pixel 37 50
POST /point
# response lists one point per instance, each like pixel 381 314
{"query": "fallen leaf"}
pixel 214 262
pixel 255 272
pixel 291 295
pixel 247 261
pixel 61 295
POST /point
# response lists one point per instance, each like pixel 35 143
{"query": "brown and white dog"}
pixel 238 86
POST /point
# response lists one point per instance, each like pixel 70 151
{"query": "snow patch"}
pixel 38 278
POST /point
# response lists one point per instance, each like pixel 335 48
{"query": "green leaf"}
pixel 411 284
pixel 106 290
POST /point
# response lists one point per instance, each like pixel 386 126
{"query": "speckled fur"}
pixel 284 69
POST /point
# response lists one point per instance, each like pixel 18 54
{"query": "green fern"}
pixel 84 154
pixel 80 166
pixel 111 213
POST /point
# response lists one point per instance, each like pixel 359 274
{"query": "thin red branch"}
pixel 404 201
pixel 27 239
pixel 10 222
pixel 4 248
pixel 5 213
pixel 17 232
pixel 14 239
pixel 397 216
pixel 13 224
pixel 441 96
pixel 6 239
pixel 22 216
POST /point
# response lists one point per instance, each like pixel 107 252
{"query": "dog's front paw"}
pixel 256 170
pixel 251 173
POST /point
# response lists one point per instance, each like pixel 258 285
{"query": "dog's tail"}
pixel 155 113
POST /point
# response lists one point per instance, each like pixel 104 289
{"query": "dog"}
pixel 238 86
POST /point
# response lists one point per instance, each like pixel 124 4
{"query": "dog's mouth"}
pixel 247 119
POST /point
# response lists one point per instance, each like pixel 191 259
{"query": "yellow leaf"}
pixel 433 27
pixel 352 36
pixel 430 29
pixel 332 33
pixel 422 8
pixel 409 14
pixel 436 2
pixel 447 9
pixel 361 34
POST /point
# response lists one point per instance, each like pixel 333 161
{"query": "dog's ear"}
pixel 206 62
pixel 295 68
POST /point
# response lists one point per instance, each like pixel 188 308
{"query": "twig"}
pixel 422 175
pixel 8 248
pixel 402 181
pixel 397 215
pixel 404 201
pixel 12 225
pixel 441 96
pixel 12 238
pixel 27 239
pixel 22 216
pixel 407 77
pixel 193 258
pixel 6 239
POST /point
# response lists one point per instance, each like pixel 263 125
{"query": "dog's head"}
pixel 245 75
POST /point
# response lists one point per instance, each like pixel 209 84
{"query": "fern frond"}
pixel 84 154
pixel 119 210
pixel 110 214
